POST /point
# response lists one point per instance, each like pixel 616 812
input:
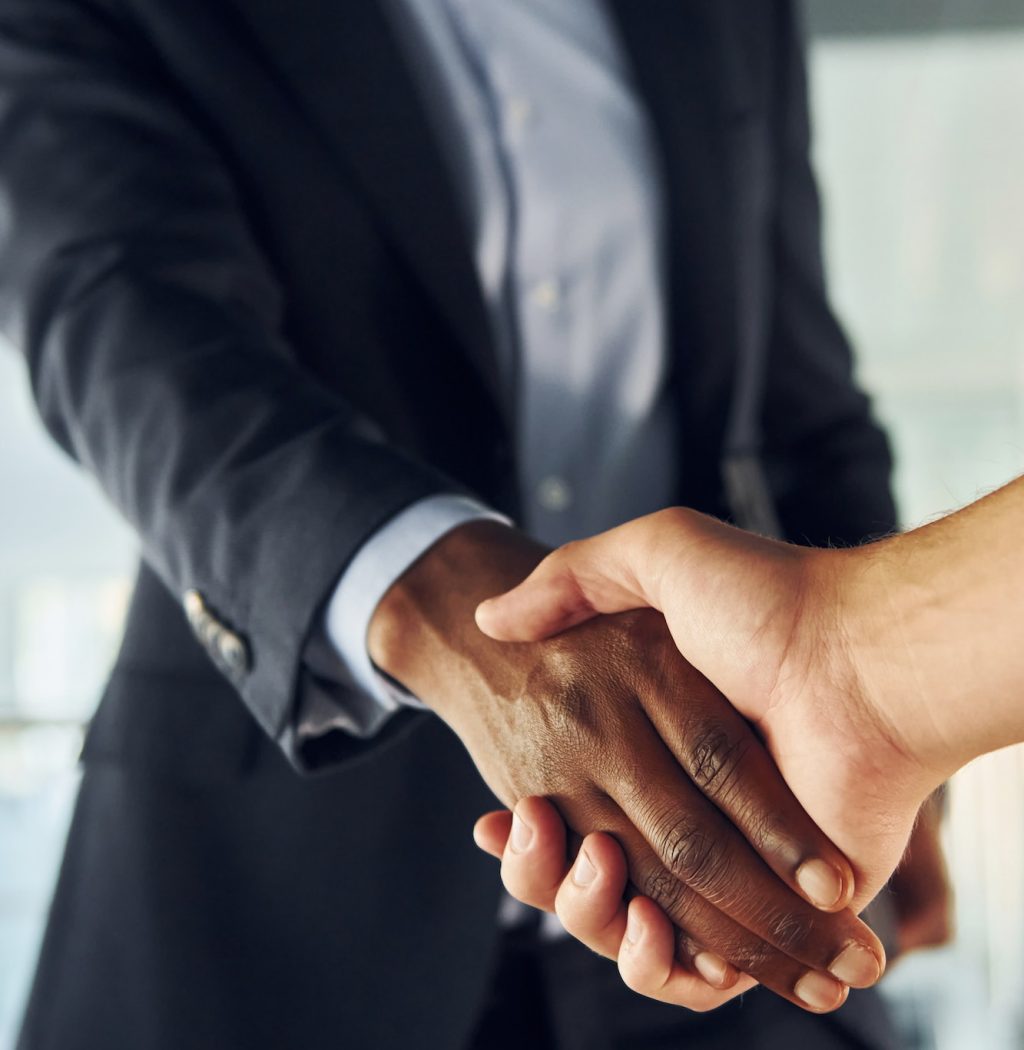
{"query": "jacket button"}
pixel 228 649
pixel 234 653
pixel 195 609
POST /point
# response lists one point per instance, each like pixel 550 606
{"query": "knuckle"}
pixel 752 957
pixel 566 724
pixel 628 779
pixel 714 759
pixel 569 711
pixel 665 890
pixel 693 856
pixel 767 831
pixel 789 932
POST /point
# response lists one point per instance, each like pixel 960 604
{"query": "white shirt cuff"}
pixel 338 650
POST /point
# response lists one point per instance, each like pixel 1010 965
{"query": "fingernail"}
pixel 583 871
pixel 818 991
pixel 821 883
pixel 856 966
pixel 632 927
pixel 714 969
pixel 522 834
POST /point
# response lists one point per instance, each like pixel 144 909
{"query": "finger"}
pixel 590 901
pixel 730 766
pixel 571 585
pixel 591 907
pixel 648 964
pixel 619 570
pixel 534 862
pixel 697 847
pixel 705 928
pixel 491 831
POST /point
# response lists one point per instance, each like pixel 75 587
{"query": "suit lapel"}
pixel 344 65
pixel 351 77
pixel 678 53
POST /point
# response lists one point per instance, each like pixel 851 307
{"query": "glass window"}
pixel 65 569
pixel 921 158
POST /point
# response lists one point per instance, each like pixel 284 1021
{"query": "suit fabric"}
pixel 231 255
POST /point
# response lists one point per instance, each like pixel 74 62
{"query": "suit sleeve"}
pixel 349 692
pixel 828 461
pixel 151 325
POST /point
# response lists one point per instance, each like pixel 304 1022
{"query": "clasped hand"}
pixel 763 621
pixel 645 761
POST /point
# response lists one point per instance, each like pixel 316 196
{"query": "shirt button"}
pixel 546 295
pixel 554 494
pixel 518 113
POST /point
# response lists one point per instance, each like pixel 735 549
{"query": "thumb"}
pixel 571 585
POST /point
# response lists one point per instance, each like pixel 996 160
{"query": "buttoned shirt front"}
pixel 551 153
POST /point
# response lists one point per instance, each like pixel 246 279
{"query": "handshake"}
pixel 694 715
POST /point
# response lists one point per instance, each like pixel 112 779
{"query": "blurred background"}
pixel 920 152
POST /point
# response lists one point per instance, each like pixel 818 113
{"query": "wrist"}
pixel 424 625
pixel 873 642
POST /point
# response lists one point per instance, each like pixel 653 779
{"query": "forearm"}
pixel 933 629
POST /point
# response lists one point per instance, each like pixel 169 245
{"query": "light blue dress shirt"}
pixel 551 152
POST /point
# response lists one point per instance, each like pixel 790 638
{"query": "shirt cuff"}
pixel 337 653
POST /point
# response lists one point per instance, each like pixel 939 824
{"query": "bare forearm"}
pixel 935 628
